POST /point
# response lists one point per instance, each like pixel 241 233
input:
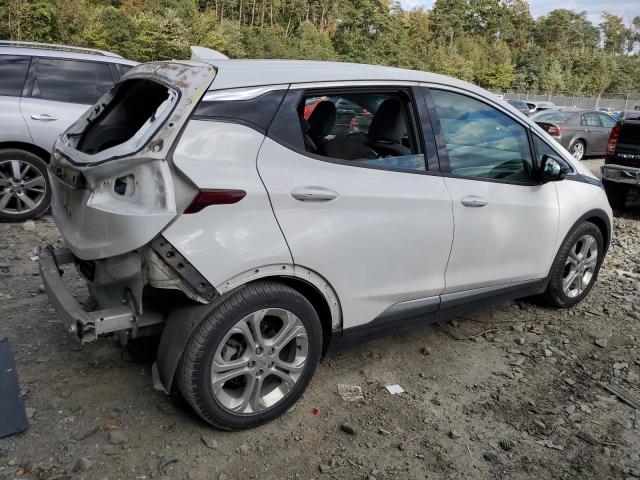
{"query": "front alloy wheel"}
pixel 576 266
pixel 578 150
pixel 252 357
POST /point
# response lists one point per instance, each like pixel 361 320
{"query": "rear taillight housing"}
pixel 214 196
pixel 554 130
pixel 613 140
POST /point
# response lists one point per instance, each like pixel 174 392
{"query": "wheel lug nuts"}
pixel 259 372
pixel 258 350
pixel 251 364
pixel 270 351
pixel 271 365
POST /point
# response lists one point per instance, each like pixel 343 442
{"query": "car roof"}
pixel 249 73
pixel 60 51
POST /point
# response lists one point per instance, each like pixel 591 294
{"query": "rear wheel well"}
pixel 317 300
pixel 29 147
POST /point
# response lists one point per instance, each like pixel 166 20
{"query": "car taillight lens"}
pixel 613 140
pixel 214 196
pixel 554 130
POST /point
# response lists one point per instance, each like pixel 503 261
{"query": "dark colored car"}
pixel 621 170
pixel 621 115
pixel 536 107
pixel 582 132
pixel 520 105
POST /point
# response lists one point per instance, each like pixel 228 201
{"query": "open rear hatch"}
pixel 111 171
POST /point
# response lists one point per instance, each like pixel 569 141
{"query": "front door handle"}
pixel 473 201
pixel 314 194
pixel 43 117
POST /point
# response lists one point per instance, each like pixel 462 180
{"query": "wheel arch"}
pixel 28 147
pixel 601 220
pixel 183 321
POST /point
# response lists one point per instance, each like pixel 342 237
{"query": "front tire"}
pixel 578 149
pixel 25 191
pixel 576 267
pixel 252 357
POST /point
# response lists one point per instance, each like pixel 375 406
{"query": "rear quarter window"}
pixel 13 71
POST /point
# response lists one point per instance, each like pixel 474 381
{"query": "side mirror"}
pixel 553 169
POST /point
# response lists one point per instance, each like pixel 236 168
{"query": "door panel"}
pixel 48 119
pixel 378 237
pixel 511 238
pixel 505 221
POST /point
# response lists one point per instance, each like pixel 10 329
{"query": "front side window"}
pixel 71 81
pixel 607 121
pixel 481 141
pixel 366 128
pixel 13 71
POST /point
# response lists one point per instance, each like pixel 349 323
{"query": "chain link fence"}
pixel 616 101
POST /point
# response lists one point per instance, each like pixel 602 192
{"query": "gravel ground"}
pixel 515 391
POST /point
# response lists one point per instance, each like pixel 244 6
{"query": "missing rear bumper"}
pixel 85 326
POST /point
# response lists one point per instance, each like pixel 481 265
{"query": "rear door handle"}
pixel 473 201
pixel 43 117
pixel 314 194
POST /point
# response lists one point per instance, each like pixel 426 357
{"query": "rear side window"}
pixel 359 127
pixel 481 141
pixel 71 81
pixel 122 69
pixel 13 71
pixel 553 117
pixel 591 120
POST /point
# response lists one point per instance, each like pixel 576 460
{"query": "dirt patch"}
pixel 515 391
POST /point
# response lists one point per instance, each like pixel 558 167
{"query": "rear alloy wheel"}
pixel 578 149
pixel 252 357
pixel 576 266
pixel 25 192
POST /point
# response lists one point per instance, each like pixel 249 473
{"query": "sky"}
pixel 627 9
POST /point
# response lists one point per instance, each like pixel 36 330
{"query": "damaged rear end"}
pixel 115 189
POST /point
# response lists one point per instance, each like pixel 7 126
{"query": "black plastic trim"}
pixel 450 305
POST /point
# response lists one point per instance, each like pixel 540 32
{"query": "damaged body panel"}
pixel 117 199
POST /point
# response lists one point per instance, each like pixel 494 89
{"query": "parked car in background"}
pixel 582 132
pixel 622 114
pixel 621 170
pixel 198 204
pixel 521 106
pixel 607 110
pixel 535 107
pixel 43 90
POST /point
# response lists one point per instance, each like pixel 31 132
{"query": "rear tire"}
pixel 616 194
pixel 235 378
pixel 25 190
pixel 575 268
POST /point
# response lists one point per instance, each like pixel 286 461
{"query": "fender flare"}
pixel 182 321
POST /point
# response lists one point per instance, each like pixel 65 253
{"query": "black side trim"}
pixel 257 112
pixel 450 305
pixel 604 219
pixel 183 268
pixel 584 179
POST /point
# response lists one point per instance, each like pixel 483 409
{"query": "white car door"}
pixel 58 92
pixel 506 222
pixel 378 230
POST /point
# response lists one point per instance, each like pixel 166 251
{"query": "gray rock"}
pixel 506 445
pixel 454 434
pixel 209 441
pixel 82 464
pixel 601 342
pixel 30 412
pixel 490 457
pixel 402 446
pixel 324 468
pixel 520 341
pixel 587 437
pixel 347 428
pixel 117 437
pixel 243 449
pixel 29 226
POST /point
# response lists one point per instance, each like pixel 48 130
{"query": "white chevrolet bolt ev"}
pixel 255 214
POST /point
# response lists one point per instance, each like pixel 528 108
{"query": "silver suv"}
pixel 43 89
